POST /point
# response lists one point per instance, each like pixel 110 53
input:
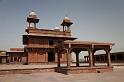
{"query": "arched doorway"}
pixel 51 56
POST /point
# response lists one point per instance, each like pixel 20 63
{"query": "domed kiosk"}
pixel 32 18
pixel 66 23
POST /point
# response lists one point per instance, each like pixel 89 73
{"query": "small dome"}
pixel 66 19
pixel 32 14
pixel 67 22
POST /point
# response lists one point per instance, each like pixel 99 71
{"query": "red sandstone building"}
pixel 45 45
pixel 3 57
pixel 16 55
pixel 41 44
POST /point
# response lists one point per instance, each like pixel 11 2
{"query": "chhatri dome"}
pixel 66 19
pixel 32 14
pixel 66 23
pixel 32 19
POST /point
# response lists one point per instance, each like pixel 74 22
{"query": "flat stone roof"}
pixel 15 51
pixel 88 43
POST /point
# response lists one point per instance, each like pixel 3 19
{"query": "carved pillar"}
pixel 93 51
pixel 13 59
pixel 9 58
pixel 56 58
pixel 35 25
pixel 69 55
pixel 85 59
pixel 104 58
pixel 108 57
pixel 58 62
pixel 90 57
pixel 20 59
pixel 27 59
pixel 99 58
pixel 17 59
pixel 77 59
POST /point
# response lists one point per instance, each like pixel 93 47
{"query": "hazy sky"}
pixel 94 20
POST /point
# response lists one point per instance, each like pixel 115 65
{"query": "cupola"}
pixel 66 23
pixel 32 19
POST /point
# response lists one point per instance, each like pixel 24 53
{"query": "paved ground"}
pixel 5 67
pixel 115 76
pixel 16 66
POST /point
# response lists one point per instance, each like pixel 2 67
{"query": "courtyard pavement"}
pixel 117 75
pixel 30 66
pixel 114 76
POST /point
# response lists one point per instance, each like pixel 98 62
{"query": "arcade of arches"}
pixel 91 47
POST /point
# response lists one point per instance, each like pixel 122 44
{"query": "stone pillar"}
pixel 85 59
pixel 99 58
pixel 27 59
pixel 13 59
pixel 58 62
pixel 9 58
pixel 104 58
pixel 35 25
pixel 17 59
pixel 77 59
pixel 108 58
pixel 90 57
pixel 93 57
pixel 20 59
pixel 56 57
pixel 69 55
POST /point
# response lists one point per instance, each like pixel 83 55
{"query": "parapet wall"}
pixel 16 49
pixel 32 30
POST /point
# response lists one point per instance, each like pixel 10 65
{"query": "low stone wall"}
pixel 78 70
pixel 64 70
pixel 26 71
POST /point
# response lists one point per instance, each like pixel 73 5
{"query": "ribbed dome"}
pixel 32 14
pixel 66 19
pixel 67 22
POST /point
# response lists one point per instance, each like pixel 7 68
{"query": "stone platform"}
pixel 27 69
pixel 77 70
